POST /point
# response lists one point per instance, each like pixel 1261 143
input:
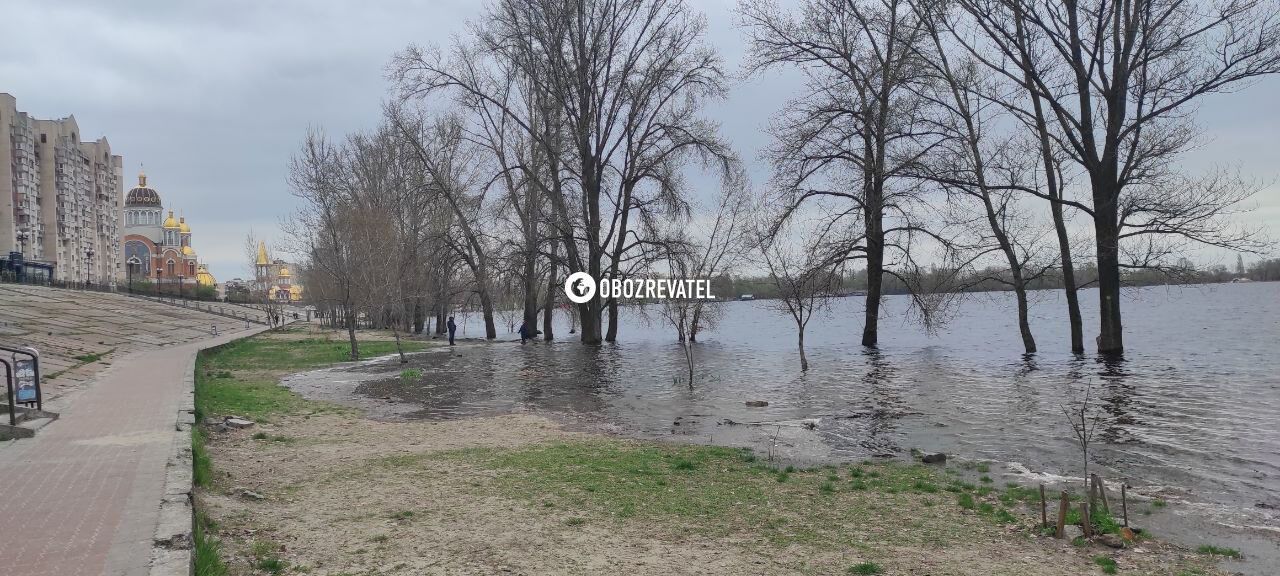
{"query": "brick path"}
pixel 82 497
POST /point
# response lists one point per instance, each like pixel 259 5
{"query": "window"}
pixel 44 139
pixel 171 267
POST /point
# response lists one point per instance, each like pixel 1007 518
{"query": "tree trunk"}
pixel 419 316
pixel 351 334
pixel 551 298
pixel 589 317
pixel 399 347
pixel 804 362
pixel 875 277
pixel 611 335
pixel 1024 326
pixel 1069 281
pixel 1106 229
pixel 531 286
pixel 486 308
pixel 693 325
pixel 688 357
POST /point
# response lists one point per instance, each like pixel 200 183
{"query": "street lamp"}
pixel 181 281
pixel 88 265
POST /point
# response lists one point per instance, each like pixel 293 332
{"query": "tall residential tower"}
pixel 60 197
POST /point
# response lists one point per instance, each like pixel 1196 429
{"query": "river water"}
pixel 1192 412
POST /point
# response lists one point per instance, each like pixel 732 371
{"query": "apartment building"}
pixel 60 197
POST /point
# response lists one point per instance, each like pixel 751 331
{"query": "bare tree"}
pixel 850 148
pixel 988 168
pixel 449 161
pixel 804 284
pixel 324 224
pixel 623 80
pixel 1117 82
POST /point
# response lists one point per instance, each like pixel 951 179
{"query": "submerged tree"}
pixel 1116 82
pixel 851 146
pixel 623 80
pixel 804 284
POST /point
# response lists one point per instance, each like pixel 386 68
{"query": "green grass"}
pixel 266 559
pixel 1218 551
pixel 410 374
pixel 201 465
pixel 207 549
pixel 1107 564
pixel 92 357
pixel 708 489
pixel 864 568
pixel 242 377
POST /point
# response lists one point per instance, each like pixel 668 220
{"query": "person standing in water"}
pixel 452 328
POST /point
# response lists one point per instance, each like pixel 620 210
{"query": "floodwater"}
pixel 1191 414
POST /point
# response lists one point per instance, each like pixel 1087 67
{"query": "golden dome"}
pixel 182 226
pixel 170 222
pixel 188 251
pixel 203 277
pixel 295 292
pixel 262 254
pixel 284 272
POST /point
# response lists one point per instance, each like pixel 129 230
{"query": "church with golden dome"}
pixel 275 278
pixel 157 248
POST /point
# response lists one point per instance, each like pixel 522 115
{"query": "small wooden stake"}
pixel 1102 491
pixel 1062 515
pixel 1093 492
pixel 1044 513
pixel 1085 520
pixel 1124 505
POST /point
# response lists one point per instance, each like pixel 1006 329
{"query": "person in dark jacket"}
pixel 452 328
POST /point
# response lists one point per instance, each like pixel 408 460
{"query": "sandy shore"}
pixel 341 494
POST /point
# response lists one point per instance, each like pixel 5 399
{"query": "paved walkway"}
pixel 83 496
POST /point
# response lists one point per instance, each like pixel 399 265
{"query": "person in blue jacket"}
pixel 452 329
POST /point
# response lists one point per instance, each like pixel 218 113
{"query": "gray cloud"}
pixel 214 97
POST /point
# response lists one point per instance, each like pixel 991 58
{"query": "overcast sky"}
pixel 214 97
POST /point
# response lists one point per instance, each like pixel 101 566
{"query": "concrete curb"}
pixel 171 551
pixel 172 546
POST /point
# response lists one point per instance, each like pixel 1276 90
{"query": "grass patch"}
pixel 1213 550
pixel 242 377
pixel 965 501
pixel 207 549
pixel 410 374
pixel 709 490
pixel 1107 564
pixel 201 465
pixel 864 568
pixel 266 559
pixel 92 357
